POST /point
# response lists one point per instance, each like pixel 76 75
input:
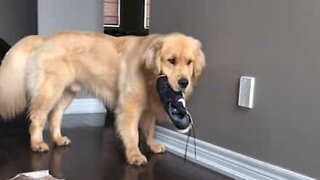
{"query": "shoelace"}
pixel 194 143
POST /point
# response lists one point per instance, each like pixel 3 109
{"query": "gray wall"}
pixel 57 15
pixel 17 19
pixel 60 15
pixel 278 42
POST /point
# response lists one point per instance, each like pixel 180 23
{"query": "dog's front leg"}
pixel 128 114
pixel 147 126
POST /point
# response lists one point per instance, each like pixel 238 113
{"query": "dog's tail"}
pixel 13 96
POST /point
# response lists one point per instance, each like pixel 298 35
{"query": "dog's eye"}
pixel 172 61
pixel 189 62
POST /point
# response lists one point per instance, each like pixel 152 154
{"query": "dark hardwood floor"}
pixel 95 153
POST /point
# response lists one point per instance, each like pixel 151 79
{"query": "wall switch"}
pixel 246 92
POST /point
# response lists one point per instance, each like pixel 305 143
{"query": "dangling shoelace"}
pixel 194 143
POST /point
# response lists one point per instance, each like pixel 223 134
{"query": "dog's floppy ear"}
pixel 152 57
pixel 199 62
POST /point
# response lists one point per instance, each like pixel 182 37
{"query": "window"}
pixel 111 13
pixel 146 14
pixel 133 14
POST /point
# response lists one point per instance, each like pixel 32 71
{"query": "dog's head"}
pixel 177 56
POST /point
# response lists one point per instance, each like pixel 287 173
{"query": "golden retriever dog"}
pixel 44 73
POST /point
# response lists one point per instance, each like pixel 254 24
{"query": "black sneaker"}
pixel 174 104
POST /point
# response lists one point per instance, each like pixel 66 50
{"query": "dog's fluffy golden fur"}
pixel 44 73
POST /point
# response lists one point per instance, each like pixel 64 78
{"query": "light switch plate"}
pixel 246 92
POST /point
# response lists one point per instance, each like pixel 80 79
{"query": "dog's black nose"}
pixel 183 82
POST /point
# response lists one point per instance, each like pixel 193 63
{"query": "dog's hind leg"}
pixel 55 118
pixel 42 102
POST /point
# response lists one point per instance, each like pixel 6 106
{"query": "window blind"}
pixel 147 14
pixel 111 12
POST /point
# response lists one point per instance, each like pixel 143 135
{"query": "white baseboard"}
pixel 85 106
pixel 224 161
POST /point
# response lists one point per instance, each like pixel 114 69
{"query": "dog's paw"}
pixel 137 159
pixel 62 141
pixel 39 147
pixel 157 148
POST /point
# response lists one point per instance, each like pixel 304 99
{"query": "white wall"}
pixel 57 15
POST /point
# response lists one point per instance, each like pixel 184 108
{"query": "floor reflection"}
pixel 95 153
pixel 52 160
pixel 110 157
